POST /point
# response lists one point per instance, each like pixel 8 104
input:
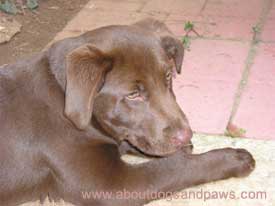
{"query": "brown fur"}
pixel 67 112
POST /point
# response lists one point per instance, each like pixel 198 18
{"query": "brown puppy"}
pixel 65 112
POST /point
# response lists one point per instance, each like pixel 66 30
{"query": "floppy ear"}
pixel 86 68
pixel 174 50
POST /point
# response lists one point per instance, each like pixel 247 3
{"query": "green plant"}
pixel 186 42
pixel 14 6
pixel 8 7
pixel 32 4
pixel 188 28
pixel 256 30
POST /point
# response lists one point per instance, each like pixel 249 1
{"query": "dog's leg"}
pixel 167 175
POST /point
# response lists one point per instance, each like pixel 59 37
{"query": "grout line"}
pixel 229 39
pixel 218 38
pixel 223 135
pixel 141 7
pixel 204 6
pixel 268 42
pixel 250 58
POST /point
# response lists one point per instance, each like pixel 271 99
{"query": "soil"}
pixel 38 27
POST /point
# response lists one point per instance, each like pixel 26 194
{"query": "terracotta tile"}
pixel 115 5
pixel 234 8
pixel 220 19
pixel 174 6
pixel 269 30
pixel 256 112
pixel 210 77
pixel 98 18
pixel 269 27
pixel 213 26
pixel 186 7
pixel 66 34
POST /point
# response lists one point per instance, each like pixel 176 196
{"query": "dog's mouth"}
pixel 141 144
pixel 146 152
pixel 139 151
pixel 154 149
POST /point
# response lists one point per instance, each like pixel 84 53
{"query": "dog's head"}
pixel 123 79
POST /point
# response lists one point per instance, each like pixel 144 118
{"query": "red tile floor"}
pixel 227 77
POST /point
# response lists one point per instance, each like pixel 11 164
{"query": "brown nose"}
pixel 182 137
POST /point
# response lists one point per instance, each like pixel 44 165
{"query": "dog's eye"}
pixel 133 95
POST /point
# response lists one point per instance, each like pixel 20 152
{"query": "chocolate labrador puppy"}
pixel 65 113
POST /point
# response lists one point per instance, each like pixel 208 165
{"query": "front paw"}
pixel 240 162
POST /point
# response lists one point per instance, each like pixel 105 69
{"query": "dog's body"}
pixel 65 112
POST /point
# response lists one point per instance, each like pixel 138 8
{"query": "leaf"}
pixel 8 7
pixel 186 42
pixel 256 29
pixel 188 26
pixel 32 4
